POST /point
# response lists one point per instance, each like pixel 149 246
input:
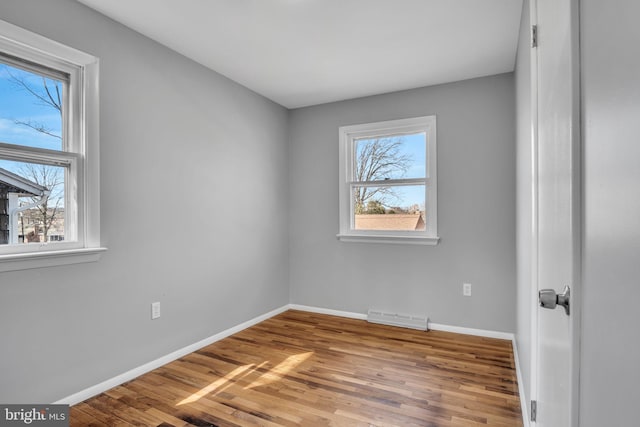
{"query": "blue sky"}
pixel 18 104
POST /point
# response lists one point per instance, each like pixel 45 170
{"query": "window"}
pixel 388 188
pixel 49 165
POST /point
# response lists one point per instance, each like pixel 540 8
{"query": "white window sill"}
pixel 403 240
pixel 26 261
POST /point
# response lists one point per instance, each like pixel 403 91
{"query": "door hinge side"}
pixel 534 410
pixel 534 36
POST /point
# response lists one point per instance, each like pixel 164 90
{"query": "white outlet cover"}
pixel 466 289
pixel 155 310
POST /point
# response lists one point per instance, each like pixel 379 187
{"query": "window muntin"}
pixel 62 141
pixel 388 181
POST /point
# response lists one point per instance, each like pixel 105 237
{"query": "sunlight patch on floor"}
pixel 218 385
pixel 280 370
pixel 245 373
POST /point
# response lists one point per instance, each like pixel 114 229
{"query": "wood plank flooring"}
pixel 305 369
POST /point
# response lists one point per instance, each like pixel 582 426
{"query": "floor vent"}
pixel 397 319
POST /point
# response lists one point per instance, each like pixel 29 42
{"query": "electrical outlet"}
pixel 466 289
pixel 155 310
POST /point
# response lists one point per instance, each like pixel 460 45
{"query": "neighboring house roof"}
pixel 389 222
pixel 12 183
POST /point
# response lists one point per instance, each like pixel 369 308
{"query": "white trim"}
pixel 471 331
pixel 434 326
pixel 523 402
pixel 25 261
pixel 347 314
pixel 533 295
pixel 154 364
pixel 91 172
pixel 28 41
pixel 347 136
pixel 371 238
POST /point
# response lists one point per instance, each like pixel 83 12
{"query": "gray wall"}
pixel 611 253
pixel 194 193
pixel 476 210
pixel 524 231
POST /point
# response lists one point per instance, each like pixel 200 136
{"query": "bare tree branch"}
pixel 52 179
pixel 57 103
pixel 38 127
pixel 379 159
pixel 46 98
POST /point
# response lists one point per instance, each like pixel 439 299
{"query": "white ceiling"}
pixel 307 52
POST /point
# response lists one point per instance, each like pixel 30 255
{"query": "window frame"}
pixel 79 155
pixel 348 135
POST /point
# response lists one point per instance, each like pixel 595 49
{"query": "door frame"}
pixel 576 215
pixel 533 392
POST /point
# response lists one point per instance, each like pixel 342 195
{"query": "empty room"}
pixel 319 213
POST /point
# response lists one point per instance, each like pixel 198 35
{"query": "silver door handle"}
pixel 549 299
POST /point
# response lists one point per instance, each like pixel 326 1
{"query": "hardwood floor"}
pixel 304 369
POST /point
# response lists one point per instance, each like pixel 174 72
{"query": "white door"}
pixel 558 207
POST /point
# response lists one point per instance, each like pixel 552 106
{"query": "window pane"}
pixel 30 108
pixel 389 208
pixel 26 214
pixel 393 157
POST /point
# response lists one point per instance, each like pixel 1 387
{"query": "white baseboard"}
pixel 147 367
pixel 434 326
pixel 471 331
pixel 523 402
pixel 348 314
